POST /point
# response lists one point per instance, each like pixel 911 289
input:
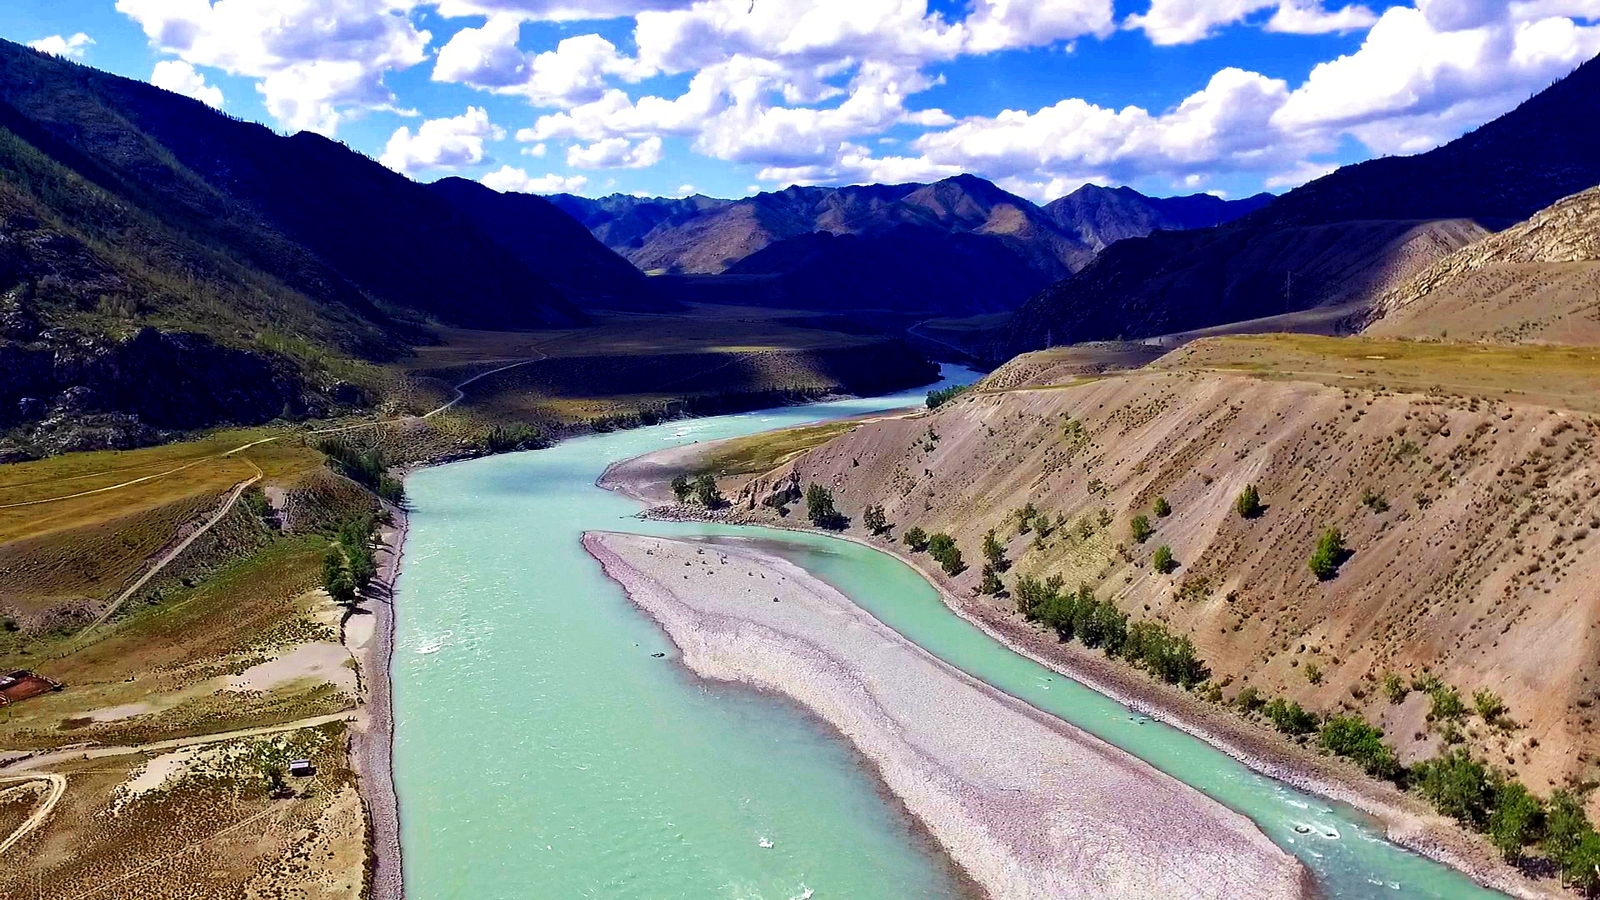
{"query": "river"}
pixel 548 746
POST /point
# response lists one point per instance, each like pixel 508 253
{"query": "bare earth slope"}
pixel 1536 282
pixel 1468 552
pixel 1028 805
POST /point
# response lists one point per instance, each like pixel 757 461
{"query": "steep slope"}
pixel 1535 282
pixel 1101 216
pixel 552 244
pixel 1465 519
pixel 250 191
pixel 1545 149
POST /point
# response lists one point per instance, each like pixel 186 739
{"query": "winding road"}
pixel 58 787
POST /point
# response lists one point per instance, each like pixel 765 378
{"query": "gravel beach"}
pixel 1027 805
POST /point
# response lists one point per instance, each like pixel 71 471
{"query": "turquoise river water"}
pixel 543 751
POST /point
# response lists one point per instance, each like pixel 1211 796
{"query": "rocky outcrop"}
pixel 67 391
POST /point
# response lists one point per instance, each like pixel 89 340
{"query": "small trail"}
pixel 462 394
pixel 171 555
pixel 58 787
pixel 198 740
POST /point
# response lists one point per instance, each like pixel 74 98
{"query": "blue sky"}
pixel 725 97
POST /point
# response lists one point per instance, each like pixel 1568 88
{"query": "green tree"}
pixel 1162 560
pixel 681 488
pixel 994 552
pixel 1249 503
pixel 820 509
pixel 942 547
pixel 1581 868
pixel 1330 553
pixel 706 493
pixel 916 539
pixel 991 583
pixel 875 519
pixel 1290 717
pixel 1515 821
pixel 1352 737
pixel 1141 529
pixel 1457 785
pixel 940 397
pixel 1488 705
pixel 1446 704
pixel 1162 508
pixel 1565 824
pixel 1249 699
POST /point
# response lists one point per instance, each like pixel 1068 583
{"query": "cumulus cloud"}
pixel 179 77
pixel 509 179
pixel 442 143
pixel 575 72
pixel 316 62
pixel 73 47
pixel 615 153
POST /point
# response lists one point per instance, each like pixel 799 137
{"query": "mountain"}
pixel 1355 233
pixel 551 243
pixel 1537 282
pixel 230 271
pixel 1101 216
pixel 952 248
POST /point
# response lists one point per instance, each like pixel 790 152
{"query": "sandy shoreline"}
pixel 372 742
pixel 1027 805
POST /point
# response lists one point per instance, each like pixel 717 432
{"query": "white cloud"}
pixel 179 77
pixel 73 47
pixel 1293 18
pixel 615 153
pixel 507 178
pixel 316 62
pixel 442 143
pixel 1185 21
pixel 574 72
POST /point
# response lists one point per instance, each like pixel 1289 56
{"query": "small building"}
pixel 302 768
pixel 22 684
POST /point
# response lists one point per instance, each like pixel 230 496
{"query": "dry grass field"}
pixel 199 823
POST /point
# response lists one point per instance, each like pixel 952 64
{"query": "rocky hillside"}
pixel 1464 522
pixel 1102 216
pixel 1375 224
pixel 1535 282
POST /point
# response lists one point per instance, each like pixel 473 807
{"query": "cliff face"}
pixel 1466 520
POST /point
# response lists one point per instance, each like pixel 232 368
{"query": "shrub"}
pixel 1025 517
pixel 391 490
pixel 706 493
pixel 1446 705
pixel 1162 508
pixel 1330 553
pixel 1353 738
pixel 1172 659
pixel 1395 688
pixel 1162 560
pixel 874 518
pixel 681 488
pixel 1488 705
pixel 1140 526
pixel 1313 673
pixel 1290 717
pixel 1249 503
pixel 994 553
pixel 821 511
pixel 916 539
pixel 1566 826
pixel 1374 502
pixel 1249 699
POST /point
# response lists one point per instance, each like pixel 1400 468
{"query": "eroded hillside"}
pixel 1466 519
pixel 1536 282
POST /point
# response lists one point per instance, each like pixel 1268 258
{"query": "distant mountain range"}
pixel 958 246
pixel 1341 240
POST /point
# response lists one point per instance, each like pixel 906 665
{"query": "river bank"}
pixel 1028 805
pixel 1405 820
pixel 372 740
